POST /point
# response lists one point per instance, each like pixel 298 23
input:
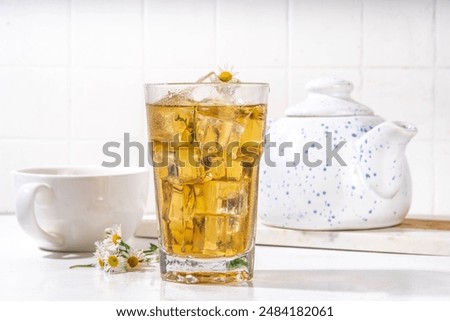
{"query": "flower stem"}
pixel 82 266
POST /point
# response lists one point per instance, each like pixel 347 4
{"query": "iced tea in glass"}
pixel 206 141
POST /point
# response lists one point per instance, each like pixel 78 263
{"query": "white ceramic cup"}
pixel 68 208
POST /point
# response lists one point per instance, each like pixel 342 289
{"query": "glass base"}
pixel 204 270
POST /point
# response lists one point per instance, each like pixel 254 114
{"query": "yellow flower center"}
pixel 113 261
pixel 133 261
pixel 116 238
pixel 101 263
pixel 225 76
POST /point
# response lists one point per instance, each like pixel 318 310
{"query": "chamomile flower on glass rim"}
pixel 225 75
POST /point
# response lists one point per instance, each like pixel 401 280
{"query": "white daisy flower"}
pixel 114 263
pixel 113 255
pixel 113 236
pixel 225 75
pixel 133 258
pixel 99 254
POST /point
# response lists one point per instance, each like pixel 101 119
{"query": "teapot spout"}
pixel 382 161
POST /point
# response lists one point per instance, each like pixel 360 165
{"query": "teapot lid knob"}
pixel 332 86
pixel 328 96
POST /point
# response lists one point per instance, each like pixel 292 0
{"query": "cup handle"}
pixel 26 216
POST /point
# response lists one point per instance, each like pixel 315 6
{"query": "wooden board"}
pixel 427 236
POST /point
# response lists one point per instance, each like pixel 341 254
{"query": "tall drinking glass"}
pixel 206 141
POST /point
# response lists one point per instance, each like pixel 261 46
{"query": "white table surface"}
pixel 28 273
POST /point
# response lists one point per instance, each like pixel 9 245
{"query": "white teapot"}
pixel 332 164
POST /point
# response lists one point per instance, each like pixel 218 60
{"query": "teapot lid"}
pixel 329 96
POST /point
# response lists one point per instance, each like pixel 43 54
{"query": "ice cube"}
pixel 178 207
pixel 209 232
pixel 249 153
pixel 234 170
pixel 226 197
pixel 199 206
pixel 177 98
pixel 235 235
pixel 217 172
pixel 221 131
pixel 230 169
pixel 198 235
pixel 216 110
pixel 168 122
pixel 183 166
pixel 253 131
pixel 218 235
pixel 227 95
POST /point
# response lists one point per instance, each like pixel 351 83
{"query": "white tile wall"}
pixel 71 71
pixel 154 74
pixel 442 109
pixel 34 102
pixel 105 103
pixel 442 181
pixel 442 32
pixel 34 32
pixel 402 94
pixel 398 33
pixel 106 33
pixel 326 34
pixel 420 157
pixel 179 34
pixel 266 46
pixel 88 152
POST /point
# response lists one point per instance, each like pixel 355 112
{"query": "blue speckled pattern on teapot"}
pixel 372 188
